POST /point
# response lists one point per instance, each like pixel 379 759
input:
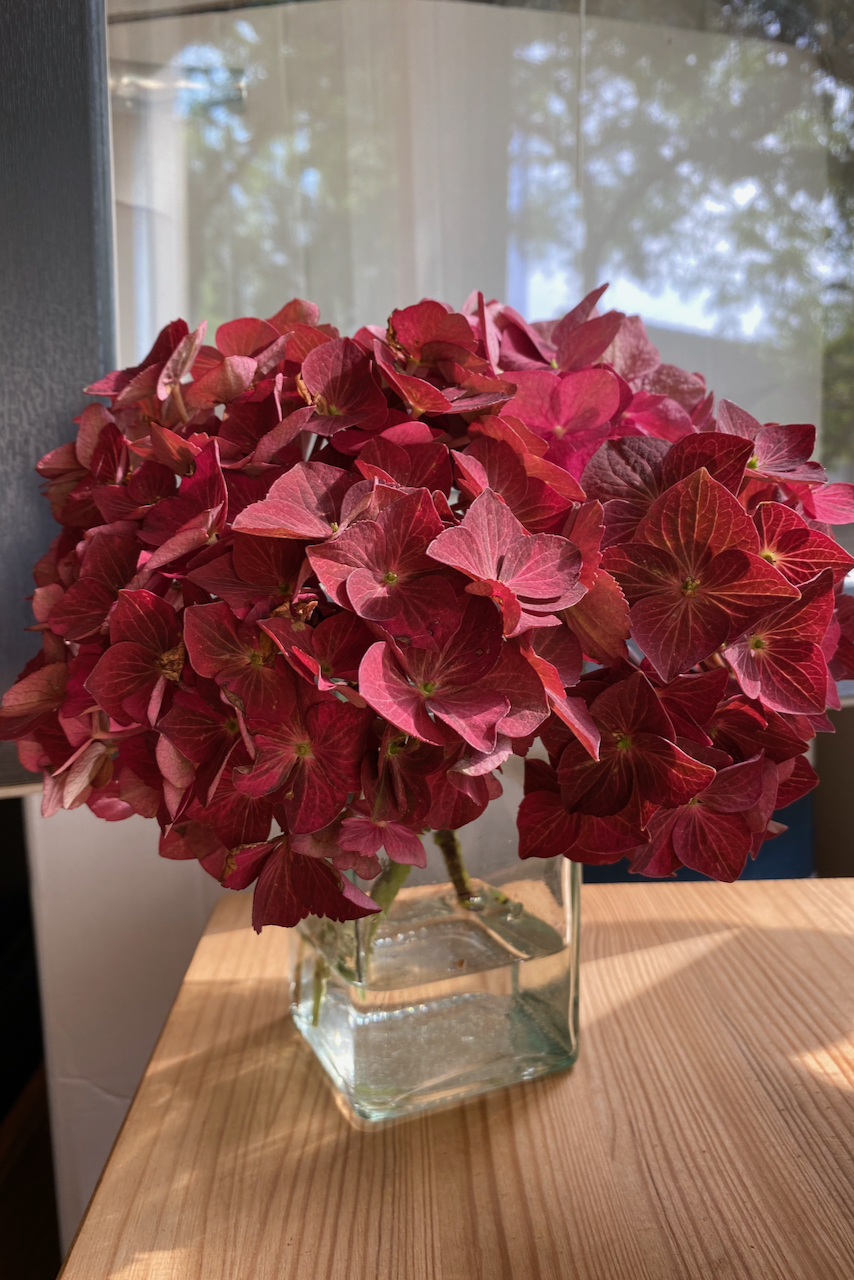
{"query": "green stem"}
pixel 457 874
pixel 384 891
pixel 321 973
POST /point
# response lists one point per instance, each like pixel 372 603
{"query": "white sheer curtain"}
pixel 364 153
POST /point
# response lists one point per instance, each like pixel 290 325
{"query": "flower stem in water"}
pixel 384 891
pixel 457 874
pixel 321 973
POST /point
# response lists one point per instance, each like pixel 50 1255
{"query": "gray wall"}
pixel 56 325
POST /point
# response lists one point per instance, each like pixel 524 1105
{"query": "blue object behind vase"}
pixel 788 857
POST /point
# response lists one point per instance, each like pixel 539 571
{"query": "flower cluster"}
pixel 311 592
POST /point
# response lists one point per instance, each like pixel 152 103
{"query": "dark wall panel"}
pixel 834 815
pixel 56 326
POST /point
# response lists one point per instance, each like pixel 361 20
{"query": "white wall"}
pixel 116 927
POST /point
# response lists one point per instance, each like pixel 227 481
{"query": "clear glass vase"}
pixel 446 995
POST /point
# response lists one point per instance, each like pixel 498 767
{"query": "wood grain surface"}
pixel 707 1130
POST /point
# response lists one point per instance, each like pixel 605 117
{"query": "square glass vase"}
pixel 443 996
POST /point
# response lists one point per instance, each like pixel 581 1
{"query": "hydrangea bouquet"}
pixel 310 594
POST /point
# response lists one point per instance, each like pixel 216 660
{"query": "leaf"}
pixel 796 779
pixel 539 572
pixel 420 396
pixel 203 491
pixel 222 384
pixel 179 362
pixel 83 609
pixel 627 469
pixel 689 588
pixel 585 344
pixel 32 699
pixel 125 669
pixel 292 886
pixel 366 836
pixel 798 551
pixel 780 661
pixel 724 457
pixel 297 311
pixel 303 503
pixel 832 503
pixel 238 657
pixel 575 402
pixel 636 752
pixel 632 353
pixel 237 819
pixel 245 337
pixel 311 757
pixel 545 828
pixel 600 620
pixel 340 381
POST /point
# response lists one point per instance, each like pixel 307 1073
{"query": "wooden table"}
pixel 707 1131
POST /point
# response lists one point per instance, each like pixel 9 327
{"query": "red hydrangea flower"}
pixel 333 583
